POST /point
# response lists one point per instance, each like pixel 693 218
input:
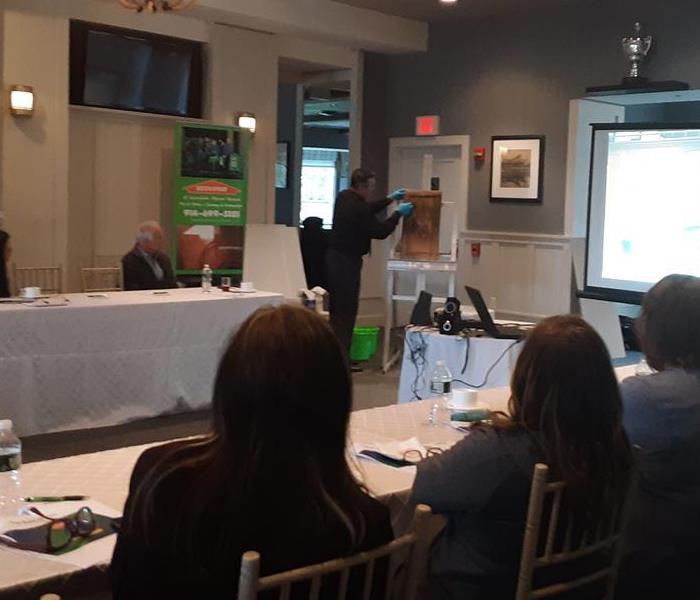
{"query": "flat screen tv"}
pixel 132 70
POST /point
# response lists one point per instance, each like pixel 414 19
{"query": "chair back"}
pixel 556 543
pixel 410 549
pixel 49 279
pixel 103 279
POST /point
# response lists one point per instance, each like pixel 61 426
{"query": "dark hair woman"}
pixel 565 410
pixel 272 476
pixel 662 416
pixel 5 254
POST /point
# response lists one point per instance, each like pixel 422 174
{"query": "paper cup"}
pixel 31 292
pixel 247 286
pixel 464 398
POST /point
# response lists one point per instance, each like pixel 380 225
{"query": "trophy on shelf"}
pixel 635 48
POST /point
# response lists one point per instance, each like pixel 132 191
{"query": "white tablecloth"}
pixel 104 361
pixel 423 347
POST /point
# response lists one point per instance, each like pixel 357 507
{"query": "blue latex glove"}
pixel 398 194
pixel 405 208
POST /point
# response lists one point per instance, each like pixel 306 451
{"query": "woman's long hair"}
pixel 281 406
pixel 565 393
pixel 4 281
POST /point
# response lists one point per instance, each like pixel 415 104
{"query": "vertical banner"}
pixel 211 198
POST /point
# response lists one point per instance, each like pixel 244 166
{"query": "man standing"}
pixel 354 226
pixel 146 266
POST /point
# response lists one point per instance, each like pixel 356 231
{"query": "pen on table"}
pixel 53 498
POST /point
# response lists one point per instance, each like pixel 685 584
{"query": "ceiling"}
pixel 434 10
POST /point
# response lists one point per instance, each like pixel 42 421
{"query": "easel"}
pixel 445 264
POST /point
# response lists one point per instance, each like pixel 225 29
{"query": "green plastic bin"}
pixel 364 343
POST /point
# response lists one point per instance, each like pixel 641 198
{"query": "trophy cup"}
pixel 635 48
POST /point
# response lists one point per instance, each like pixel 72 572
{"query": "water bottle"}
pixel 441 381
pixel 643 368
pixel 206 278
pixel 10 463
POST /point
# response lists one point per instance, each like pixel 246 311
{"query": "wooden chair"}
pixel 49 279
pixel 104 279
pixel 413 546
pixel 605 542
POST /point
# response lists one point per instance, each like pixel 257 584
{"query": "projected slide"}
pixel 644 209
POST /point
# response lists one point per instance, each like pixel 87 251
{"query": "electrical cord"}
pixel 417 357
pixel 490 369
pixel 466 354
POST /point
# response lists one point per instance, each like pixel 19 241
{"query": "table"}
pixel 446 266
pixel 108 359
pixel 423 346
pixel 104 476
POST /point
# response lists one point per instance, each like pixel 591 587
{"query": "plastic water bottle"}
pixel 10 463
pixel 441 381
pixel 206 278
pixel 643 368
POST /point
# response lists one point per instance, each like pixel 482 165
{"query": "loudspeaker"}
pixel 449 320
pixel 452 306
pixel 421 310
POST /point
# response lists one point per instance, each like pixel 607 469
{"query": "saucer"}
pixel 477 406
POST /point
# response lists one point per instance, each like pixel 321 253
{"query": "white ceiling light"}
pixel 448 1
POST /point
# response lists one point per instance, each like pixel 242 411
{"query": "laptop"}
pixel 501 332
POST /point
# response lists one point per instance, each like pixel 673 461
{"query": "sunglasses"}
pixel 416 455
pixel 60 532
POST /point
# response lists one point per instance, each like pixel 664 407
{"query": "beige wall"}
pixel 121 172
pixel 244 76
pixel 34 164
pixel 75 182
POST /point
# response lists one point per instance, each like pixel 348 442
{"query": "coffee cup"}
pixel 31 292
pixel 464 398
pixel 246 286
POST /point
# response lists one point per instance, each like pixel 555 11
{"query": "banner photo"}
pixel 211 198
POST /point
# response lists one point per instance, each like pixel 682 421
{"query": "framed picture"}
pixel 517 166
pixel 282 165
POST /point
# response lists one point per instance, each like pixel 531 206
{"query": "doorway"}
pixel 314 122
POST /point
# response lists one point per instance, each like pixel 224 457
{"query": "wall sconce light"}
pixel 21 100
pixel 246 121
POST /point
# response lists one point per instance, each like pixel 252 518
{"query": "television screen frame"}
pixel 611 294
pixel 79 33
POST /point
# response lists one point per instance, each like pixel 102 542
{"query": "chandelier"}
pixel 154 6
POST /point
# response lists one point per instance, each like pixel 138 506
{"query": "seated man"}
pixel 146 266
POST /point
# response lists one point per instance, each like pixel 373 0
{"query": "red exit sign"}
pixel 428 125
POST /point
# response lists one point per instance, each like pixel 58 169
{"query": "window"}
pixel 324 173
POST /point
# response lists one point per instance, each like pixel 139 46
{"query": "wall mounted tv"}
pixel 132 70
pixel 644 208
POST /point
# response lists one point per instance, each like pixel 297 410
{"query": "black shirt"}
pixel 355 223
pixel 210 569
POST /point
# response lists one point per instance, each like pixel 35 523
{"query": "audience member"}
pixel 5 254
pixel 565 411
pixel 662 416
pixel 146 266
pixel 272 476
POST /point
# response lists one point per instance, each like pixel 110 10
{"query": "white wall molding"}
pixel 523 275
